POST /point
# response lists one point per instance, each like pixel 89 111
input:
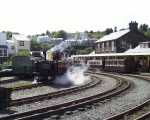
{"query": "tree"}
pixel 108 31
pixel 35 46
pixel 8 34
pixel 115 29
pixel 143 27
pixel 48 33
pixel 60 34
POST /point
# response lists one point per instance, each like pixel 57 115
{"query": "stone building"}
pixel 121 41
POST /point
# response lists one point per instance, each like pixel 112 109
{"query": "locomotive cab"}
pixel 44 71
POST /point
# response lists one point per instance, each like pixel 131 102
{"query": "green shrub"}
pixel 23 53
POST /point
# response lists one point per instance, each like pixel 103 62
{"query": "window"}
pixel 5 52
pixel 21 43
pixel 12 47
pixel 148 45
pixel 98 45
pixel 109 44
pixel 1 52
pixel 113 45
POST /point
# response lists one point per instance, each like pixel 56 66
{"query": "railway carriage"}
pixel 95 63
pixel 117 62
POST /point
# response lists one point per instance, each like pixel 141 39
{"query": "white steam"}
pixel 60 47
pixel 35 81
pixel 74 75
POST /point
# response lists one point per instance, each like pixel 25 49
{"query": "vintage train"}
pixel 37 66
pixel 116 62
pixel 34 66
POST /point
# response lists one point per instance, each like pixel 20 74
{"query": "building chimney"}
pixel 133 26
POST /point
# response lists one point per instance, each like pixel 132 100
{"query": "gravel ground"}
pixel 38 91
pixel 116 105
pixel 16 84
pixel 32 92
pixel 106 84
pixel 7 78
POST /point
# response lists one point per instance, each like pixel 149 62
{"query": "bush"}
pixel 23 53
pixel 6 65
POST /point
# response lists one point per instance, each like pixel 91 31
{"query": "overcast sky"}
pixel 37 16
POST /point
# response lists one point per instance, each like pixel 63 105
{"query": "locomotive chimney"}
pixel 133 26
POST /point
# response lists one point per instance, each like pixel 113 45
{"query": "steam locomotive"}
pixel 37 66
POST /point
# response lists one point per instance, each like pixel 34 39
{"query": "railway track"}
pixel 139 112
pixel 58 93
pixel 80 104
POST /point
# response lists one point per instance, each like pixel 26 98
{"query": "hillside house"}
pixel 21 42
pixel 11 47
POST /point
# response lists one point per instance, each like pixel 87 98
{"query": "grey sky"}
pixel 36 16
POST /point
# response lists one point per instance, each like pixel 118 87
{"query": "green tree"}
pixel 147 33
pixel 143 28
pixel 8 34
pixel 35 46
pixel 60 34
pixel 48 33
pixel 108 31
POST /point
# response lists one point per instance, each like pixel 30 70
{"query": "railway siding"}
pixel 57 93
pixel 139 112
pixel 83 100
pixel 137 94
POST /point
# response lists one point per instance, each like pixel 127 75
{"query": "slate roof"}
pixel 138 49
pixel 113 36
pixel 21 37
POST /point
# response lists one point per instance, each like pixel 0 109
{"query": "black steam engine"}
pixel 45 70
pixel 37 66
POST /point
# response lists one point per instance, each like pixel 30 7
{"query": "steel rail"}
pixel 74 104
pixel 57 93
pixel 134 109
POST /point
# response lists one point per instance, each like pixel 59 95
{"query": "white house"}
pixel 47 39
pixel 3 47
pixel 43 39
pixel 11 47
pixel 21 42
pixel 81 42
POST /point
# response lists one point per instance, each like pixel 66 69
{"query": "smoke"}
pixel 73 76
pixel 60 47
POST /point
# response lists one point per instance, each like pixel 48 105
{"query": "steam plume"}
pixel 60 47
pixel 74 75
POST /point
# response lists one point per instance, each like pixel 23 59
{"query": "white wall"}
pixel 11 47
pixel 2 38
pixel 43 39
pixel 25 47
pixel 27 44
